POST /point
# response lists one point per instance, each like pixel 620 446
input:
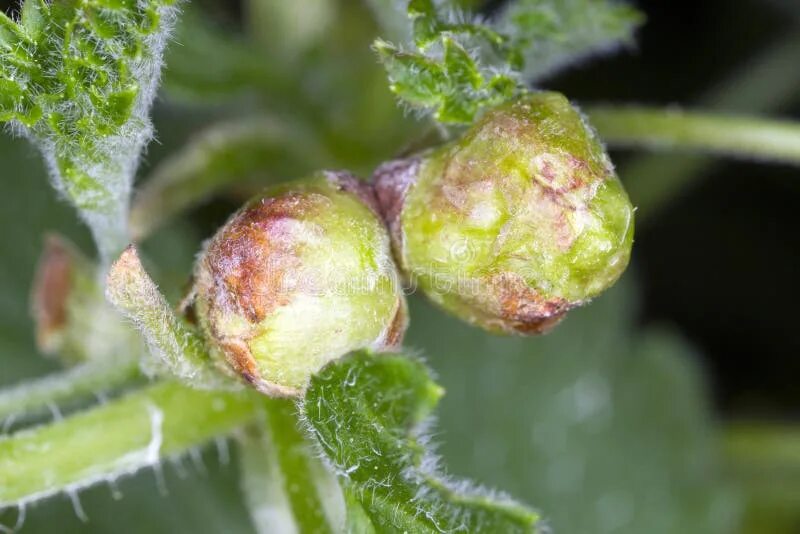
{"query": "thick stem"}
pixel 116 439
pixel 30 398
pixel 287 487
pixel 665 129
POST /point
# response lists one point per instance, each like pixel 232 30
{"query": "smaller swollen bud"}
pixel 516 222
pixel 73 320
pixel 300 276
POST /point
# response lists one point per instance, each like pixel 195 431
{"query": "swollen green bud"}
pixel 300 276
pixel 515 223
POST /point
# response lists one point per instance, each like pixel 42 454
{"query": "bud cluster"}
pixel 523 215
pixel 508 227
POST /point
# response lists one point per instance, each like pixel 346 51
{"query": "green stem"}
pixel 30 398
pixel 287 487
pixel 764 84
pixel 261 150
pixel 116 439
pixel 661 129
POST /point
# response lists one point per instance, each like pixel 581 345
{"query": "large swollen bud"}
pixel 516 222
pixel 301 275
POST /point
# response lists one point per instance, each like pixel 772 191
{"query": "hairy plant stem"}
pixel 766 83
pixel 736 136
pixel 32 397
pixel 116 439
pixel 287 487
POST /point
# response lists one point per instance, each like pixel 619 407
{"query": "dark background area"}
pixel 720 261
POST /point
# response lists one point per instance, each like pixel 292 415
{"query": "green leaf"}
pixel 486 62
pixel 552 34
pixel 81 88
pixel 435 72
pixel 367 412
pixel 10 33
pixel 460 66
pixel 413 77
pixel 604 426
pixel 426 25
pixel 33 18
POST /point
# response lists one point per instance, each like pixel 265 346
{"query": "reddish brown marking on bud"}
pixel 523 309
pixel 506 124
pixel 548 172
pixel 394 334
pixel 51 288
pixel 250 258
pixel 242 362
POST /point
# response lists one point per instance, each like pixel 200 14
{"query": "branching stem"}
pixel 116 439
pixel 32 397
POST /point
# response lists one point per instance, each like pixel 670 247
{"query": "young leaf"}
pixel 552 34
pixel 476 63
pixel 78 79
pixel 368 413
pixel 175 347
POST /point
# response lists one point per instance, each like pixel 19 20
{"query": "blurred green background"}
pixel 622 420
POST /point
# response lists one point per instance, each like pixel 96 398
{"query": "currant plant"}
pixel 78 78
pixel 455 65
pixel 290 336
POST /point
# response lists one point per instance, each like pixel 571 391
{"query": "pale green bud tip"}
pixel 516 222
pixel 300 276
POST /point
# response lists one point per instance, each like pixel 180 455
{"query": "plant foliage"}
pixel 456 64
pixel 369 415
pixel 78 77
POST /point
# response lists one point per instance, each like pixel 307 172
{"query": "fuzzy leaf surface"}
pixel 78 78
pixel 367 412
pixel 455 64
